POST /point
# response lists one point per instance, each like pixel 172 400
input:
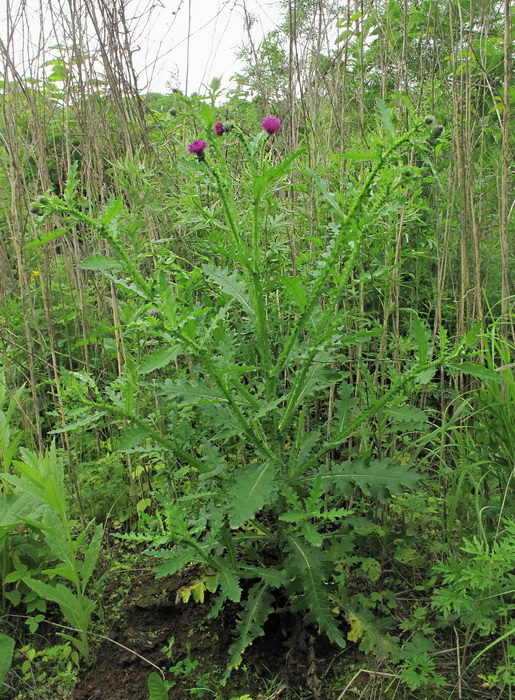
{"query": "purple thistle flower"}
pixel 272 125
pixel 198 148
pixel 218 128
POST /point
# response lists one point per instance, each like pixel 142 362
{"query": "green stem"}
pixel 378 404
pixel 337 250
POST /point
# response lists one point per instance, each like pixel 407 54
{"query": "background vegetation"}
pixel 288 360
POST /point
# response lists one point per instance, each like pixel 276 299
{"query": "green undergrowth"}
pixel 254 425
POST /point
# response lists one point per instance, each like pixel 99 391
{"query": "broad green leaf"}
pixel 159 358
pixel 229 283
pixel 251 490
pixel 16 508
pixel 207 114
pixel 91 556
pixel 6 655
pixel 100 263
pixel 68 602
pixel 156 687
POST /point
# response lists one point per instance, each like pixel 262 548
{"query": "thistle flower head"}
pixel 226 127
pixel 272 125
pixel 34 209
pixel 429 120
pixel 218 128
pixel 197 148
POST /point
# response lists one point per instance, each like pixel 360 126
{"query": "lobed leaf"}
pixel 252 489
pixel 256 611
pixel 378 477
pixel 306 564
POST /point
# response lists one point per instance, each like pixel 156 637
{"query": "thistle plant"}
pixel 270 503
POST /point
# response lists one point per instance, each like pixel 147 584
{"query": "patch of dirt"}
pixel 147 625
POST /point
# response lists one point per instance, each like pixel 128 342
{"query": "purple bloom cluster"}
pixel 272 125
pixel 197 148
pixel 218 128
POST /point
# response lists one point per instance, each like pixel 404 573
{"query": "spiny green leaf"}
pixel 273 578
pixel 190 393
pixel 407 416
pixel 370 632
pixel 318 376
pixel 229 283
pixel 131 437
pixel 306 565
pixel 71 183
pixel 79 423
pixel 113 208
pixel 422 336
pixel 176 559
pixel 479 371
pixel 252 489
pixel 385 116
pixel 256 611
pixel 230 588
pixel 378 477
pixel 295 290
pixel 159 358
pixel 52 235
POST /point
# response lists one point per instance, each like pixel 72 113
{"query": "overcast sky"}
pixel 159 34
pixel 216 29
